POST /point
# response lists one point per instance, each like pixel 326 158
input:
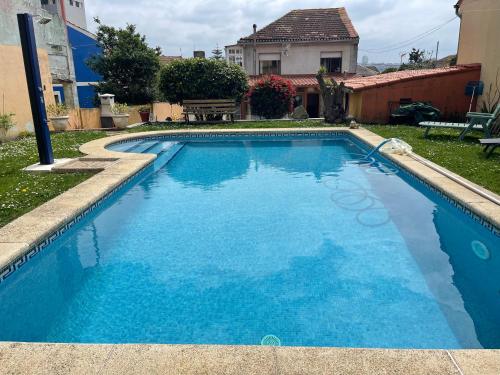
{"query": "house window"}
pixel 270 67
pixel 331 61
pixel 270 63
pixel 77 3
pixel 70 2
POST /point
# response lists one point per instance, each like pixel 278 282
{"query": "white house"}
pixel 296 46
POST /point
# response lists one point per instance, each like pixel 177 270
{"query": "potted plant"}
pixel 6 123
pixel 120 115
pixel 144 112
pixel 58 116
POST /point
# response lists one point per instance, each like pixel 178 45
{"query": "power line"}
pixel 410 41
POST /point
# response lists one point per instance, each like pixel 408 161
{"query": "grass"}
pixel 20 191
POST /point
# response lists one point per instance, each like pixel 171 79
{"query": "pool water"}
pixel 232 241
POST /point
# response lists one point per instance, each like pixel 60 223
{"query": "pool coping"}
pixel 26 236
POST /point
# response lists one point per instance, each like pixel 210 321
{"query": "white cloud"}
pixel 201 24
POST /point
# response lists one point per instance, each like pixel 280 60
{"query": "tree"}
pixel 333 97
pixel 419 59
pixel 217 53
pixel 128 66
pixel 416 56
pixel 202 79
pixel 271 97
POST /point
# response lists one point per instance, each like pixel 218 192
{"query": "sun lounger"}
pixel 477 121
pixel 490 145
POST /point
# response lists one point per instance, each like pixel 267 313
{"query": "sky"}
pixel 386 28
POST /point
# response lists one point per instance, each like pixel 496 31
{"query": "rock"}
pixel 300 113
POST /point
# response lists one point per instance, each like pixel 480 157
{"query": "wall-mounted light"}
pixel 42 20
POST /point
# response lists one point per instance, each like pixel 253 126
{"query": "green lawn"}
pixel 20 192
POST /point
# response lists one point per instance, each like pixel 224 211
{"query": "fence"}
pixel 90 118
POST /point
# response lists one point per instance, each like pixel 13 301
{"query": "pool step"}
pixel 168 154
pixel 159 147
pixel 143 146
pixel 124 147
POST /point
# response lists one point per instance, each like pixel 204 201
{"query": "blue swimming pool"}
pixel 226 241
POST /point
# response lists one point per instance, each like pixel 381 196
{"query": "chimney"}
pixel 199 54
pixel 255 49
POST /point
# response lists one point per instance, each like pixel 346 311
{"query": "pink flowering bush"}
pixel 272 97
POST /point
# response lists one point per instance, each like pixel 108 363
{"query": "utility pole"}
pixel 437 50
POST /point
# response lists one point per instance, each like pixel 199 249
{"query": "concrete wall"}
pixel 53 53
pixel 303 58
pixel 50 36
pixel 14 97
pixel 444 92
pixel 479 38
pixel 90 118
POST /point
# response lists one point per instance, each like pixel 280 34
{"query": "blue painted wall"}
pixel 86 96
pixel 60 90
pixel 83 47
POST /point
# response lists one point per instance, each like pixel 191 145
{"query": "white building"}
pixel 234 54
pixel 72 11
pixel 296 46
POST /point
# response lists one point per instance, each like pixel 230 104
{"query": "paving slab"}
pixel 319 361
pixel 477 362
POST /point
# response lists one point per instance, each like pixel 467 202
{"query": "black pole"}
pixel 35 88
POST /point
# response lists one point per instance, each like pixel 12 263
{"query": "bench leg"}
pixel 462 134
pixel 491 151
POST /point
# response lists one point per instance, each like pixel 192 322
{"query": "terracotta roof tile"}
pixel 360 83
pixel 307 25
pixel 357 83
pixel 300 80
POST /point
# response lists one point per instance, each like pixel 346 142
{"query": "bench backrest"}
pixel 209 105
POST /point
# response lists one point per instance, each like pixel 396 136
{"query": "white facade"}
pixel 75 12
pixel 300 58
pixel 234 55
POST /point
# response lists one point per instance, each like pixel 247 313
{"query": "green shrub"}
pixel 202 79
pixel 6 121
pixel 272 97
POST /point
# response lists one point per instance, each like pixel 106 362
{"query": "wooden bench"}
pixel 202 109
